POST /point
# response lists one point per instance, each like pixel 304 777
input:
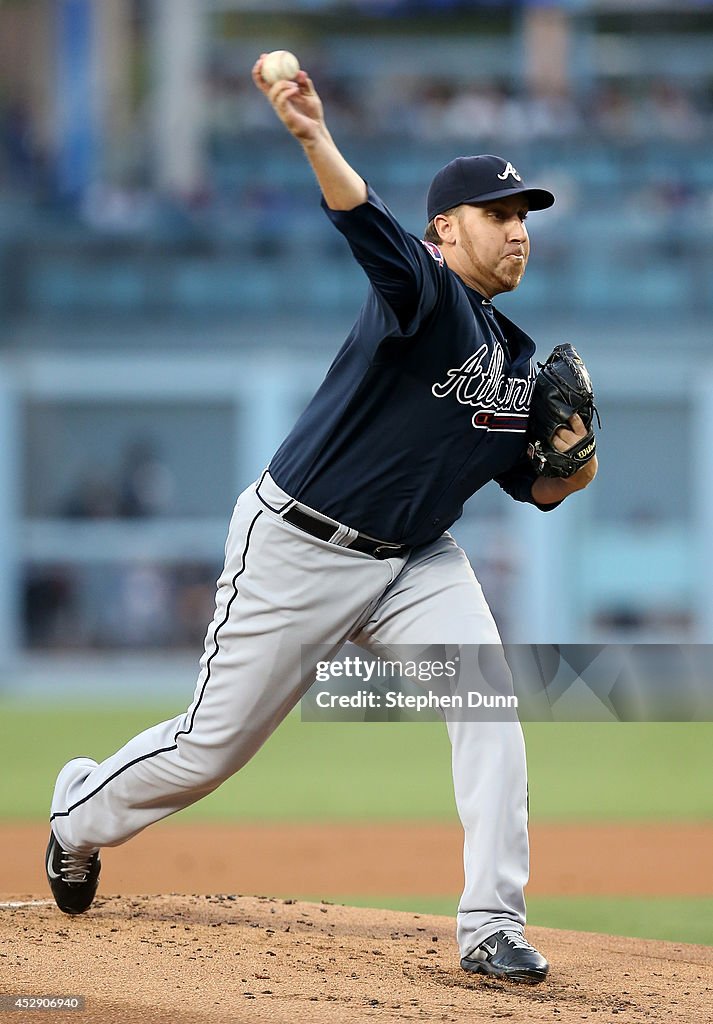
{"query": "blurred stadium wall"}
pixel 171 293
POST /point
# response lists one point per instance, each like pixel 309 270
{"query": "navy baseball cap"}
pixel 476 179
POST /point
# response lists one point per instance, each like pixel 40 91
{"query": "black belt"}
pixel 325 531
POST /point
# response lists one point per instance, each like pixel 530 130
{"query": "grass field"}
pixel 401 771
pixel 382 770
pixel 676 920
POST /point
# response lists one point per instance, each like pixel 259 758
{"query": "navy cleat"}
pixel 507 954
pixel 73 877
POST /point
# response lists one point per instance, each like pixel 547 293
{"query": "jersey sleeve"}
pixel 518 481
pixel 402 270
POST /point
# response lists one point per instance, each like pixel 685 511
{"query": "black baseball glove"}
pixel 562 388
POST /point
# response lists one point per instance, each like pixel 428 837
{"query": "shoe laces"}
pixel 75 867
pixel 516 940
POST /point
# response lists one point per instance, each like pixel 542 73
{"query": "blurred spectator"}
pixel 429 111
pixel 21 158
pixel 120 209
pixel 611 112
pixel 143 487
pixel 143 612
pixel 552 115
pixel 93 497
pixel 669 112
pixel 146 485
pixel 48 602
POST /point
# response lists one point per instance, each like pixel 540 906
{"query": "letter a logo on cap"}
pixel 509 169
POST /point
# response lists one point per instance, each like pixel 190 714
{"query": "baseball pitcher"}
pixel 344 536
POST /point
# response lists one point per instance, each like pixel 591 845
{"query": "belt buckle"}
pixel 385 547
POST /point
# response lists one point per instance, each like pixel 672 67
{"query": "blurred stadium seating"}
pixel 195 323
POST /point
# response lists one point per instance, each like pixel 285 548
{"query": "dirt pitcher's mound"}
pixel 245 959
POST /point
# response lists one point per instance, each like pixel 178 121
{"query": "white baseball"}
pixel 279 65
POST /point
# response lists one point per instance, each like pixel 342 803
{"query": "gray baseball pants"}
pixel 282 589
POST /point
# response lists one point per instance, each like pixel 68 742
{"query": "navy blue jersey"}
pixel 426 401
